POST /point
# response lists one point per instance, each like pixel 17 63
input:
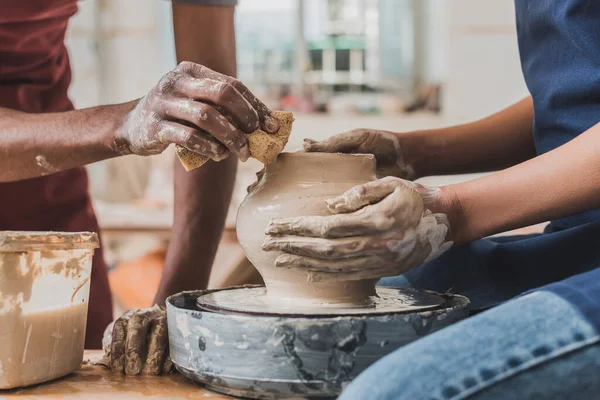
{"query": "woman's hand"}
pixel 197 108
pixel 381 228
pixel 137 343
pixel 387 147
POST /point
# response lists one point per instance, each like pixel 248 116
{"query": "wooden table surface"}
pixel 94 382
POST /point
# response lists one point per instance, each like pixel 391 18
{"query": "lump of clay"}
pixel 263 146
pixel 298 185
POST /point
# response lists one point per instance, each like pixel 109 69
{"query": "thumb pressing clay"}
pixel 263 146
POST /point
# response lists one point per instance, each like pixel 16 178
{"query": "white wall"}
pixel 119 50
pixel 436 40
pixel 483 68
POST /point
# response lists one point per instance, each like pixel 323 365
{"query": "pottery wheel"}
pixel 232 342
pixel 253 300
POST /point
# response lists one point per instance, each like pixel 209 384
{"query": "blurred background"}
pixel 338 64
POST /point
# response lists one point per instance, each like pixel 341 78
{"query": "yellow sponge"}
pixel 189 159
pixel 263 146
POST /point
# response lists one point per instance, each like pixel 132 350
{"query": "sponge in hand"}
pixel 265 147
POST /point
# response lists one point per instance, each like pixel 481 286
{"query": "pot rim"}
pixel 15 241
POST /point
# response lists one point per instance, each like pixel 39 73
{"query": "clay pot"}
pixel 298 184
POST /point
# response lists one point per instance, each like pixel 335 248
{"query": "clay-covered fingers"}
pixel 136 344
pixel 139 342
pixel 384 145
pixel 343 248
pixel 220 94
pixel 347 142
pixel 117 345
pixel 386 203
pixel 192 139
pixel 368 209
pixel 387 147
pixel 207 119
pixel 362 222
pixel 197 108
pixel 334 144
pixel 262 116
pixel 368 193
pixel 387 254
pixel 158 343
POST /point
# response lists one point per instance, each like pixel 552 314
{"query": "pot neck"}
pixel 322 167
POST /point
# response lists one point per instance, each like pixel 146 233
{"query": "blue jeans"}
pixel 536 346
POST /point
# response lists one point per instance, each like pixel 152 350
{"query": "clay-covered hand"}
pixel 197 108
pixel 137 343
pixel 385 146
pixel 381 228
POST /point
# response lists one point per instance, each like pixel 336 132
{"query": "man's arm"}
pixel 562 182
pixel 496 142
pixel 34 145
pixel 205 35
pixel 190 106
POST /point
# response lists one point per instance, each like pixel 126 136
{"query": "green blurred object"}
pixel 338 43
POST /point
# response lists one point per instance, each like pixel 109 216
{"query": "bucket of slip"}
pixel 44 293
pixel 287 355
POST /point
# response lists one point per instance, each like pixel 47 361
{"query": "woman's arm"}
pixel 390 225
pixel 557 184
pixel 496 142
pixel 493 143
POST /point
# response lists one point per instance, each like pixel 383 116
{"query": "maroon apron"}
pixel 34 77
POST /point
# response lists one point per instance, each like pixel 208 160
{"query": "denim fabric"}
pixel 538 346
pixel 560 56
pixel 493 270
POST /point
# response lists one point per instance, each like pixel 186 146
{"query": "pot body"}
pixel 298 184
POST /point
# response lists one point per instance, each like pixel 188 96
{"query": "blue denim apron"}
pixel 559 43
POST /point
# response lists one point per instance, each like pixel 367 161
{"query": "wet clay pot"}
pixel 297 184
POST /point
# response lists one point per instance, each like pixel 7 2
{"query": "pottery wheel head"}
pixel 253 300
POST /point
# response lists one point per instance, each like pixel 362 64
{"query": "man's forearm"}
pixel 204 35
pixel 493 143
pixel 33 145
pixel 557 184
pixel 202 198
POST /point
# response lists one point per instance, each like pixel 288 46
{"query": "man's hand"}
pixel 137 343
pixel 387 147
pixel 192 106
pixel 381 228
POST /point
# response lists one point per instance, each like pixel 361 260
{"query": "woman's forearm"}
pixel 33 145
pixel 493 143
pixel 557 184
